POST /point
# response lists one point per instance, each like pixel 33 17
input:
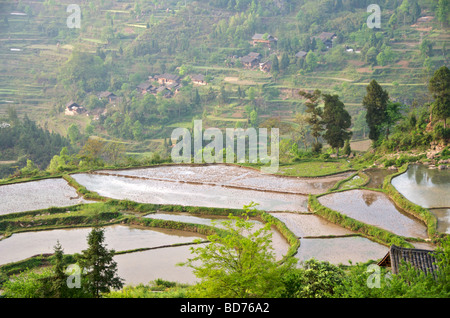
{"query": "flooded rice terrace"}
pixel 159 262
pixel 35 195
pixel 221 186
pixel 375 208
pixel 429 188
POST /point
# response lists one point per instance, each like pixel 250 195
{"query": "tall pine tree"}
pixel 100 267
pixel 375 102
pixel 440 88
pixel 337 120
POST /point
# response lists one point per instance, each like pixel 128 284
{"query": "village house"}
pixel 264 39
pixel 164 91
pixel 73 108
pixel 198 79
pixel 110 97
pixel 327 38
pixel 167 79
pixel 145 88
pixel 419 258
pixel 265 66
pixel 251 60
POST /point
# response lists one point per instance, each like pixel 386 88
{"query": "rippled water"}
pixel 377 209
pixel 166 192
pixel 20 246
pixel 429 188
pixel 35 195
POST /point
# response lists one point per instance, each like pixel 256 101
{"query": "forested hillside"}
pixel 114 66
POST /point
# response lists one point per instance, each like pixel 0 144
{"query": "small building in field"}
pixel 265 66
pixel 327 38
pixel 267 39
pixel 198 79
pixel 145 88
pixel 167 79
pixel 73 108
pixel 421 259
pixel 110 97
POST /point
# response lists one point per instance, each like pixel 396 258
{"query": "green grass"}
pixel 315 168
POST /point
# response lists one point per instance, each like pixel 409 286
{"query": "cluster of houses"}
pixel 165 84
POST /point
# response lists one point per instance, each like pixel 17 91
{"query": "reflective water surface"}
pixel 167 192
pixel 375 208
pixel 20 246
pixel 340 250
pixel 429 188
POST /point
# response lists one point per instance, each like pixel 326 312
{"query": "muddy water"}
pixel 143 267
pixel 304 225
pixel 23 245
pixel 234 176
pixel 429 188
pixel 35 195
pixel 279 244
pixel 375 208
pixel 177 193
pixel 340 250
pixel 377 176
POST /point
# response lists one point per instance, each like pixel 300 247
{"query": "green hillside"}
pixel 45 64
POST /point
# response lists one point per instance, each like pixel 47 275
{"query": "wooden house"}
pixel 419 258
pixel 145 88
pixel 73 108
pixel 267 39
pixel 265 66
pixel 327 38
pixel 110 97
pixel 198 79
pixel 167 79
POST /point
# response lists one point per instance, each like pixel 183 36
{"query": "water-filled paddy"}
pixel 429 188
pixel 377 176
pixel 20 246
pixel 279 243
pixel 443 219
pixel 304 225
pixel 234 176
pixel 340 250
pixel 143 267
pixel 375 208
pixel 167 192
pixel 35 195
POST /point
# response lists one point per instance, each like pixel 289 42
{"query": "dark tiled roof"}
pixel 71 103
pixel 168 77
pixel 198 77
pixel 419 258
pixel 248 59
pixel 144 86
